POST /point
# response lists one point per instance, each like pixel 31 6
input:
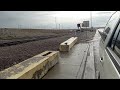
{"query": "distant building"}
pixel 85 24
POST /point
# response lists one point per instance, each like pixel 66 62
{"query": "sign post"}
pixel 78 25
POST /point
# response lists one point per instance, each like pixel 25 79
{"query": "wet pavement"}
pixel 78 63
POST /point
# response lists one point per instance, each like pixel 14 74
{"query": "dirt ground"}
pixel 14 54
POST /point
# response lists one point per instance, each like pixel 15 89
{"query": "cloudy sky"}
pixel 48 19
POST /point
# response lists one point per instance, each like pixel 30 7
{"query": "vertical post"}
pixel 59 26
pixel 18 26
pixel 56 22
pixel 91 18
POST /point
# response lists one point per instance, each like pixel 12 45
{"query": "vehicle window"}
pixel 115 36
pixel 117 45
pixel 111 25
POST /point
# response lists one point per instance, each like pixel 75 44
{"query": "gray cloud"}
pixel 43 19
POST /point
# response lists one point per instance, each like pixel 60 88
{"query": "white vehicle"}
pixel 110 49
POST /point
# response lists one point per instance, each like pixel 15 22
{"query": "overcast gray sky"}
pixel 46 19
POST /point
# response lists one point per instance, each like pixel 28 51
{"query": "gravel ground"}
pixel 14 54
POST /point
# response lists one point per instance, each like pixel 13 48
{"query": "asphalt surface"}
pixel 81 62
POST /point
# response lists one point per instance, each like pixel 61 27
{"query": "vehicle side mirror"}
pixel 102 34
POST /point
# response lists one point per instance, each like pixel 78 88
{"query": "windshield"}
pixel 113 19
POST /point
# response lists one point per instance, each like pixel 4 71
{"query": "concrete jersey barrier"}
pixel 68 44
pixel 32 68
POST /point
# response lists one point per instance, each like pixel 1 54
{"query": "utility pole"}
pixel 18 26
pixel 59 26
pixel 56 22
pixel 91 18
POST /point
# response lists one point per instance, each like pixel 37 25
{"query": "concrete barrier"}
pixel 67 45
pixel 32 68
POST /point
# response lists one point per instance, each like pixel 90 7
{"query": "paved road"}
pixel 78 63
